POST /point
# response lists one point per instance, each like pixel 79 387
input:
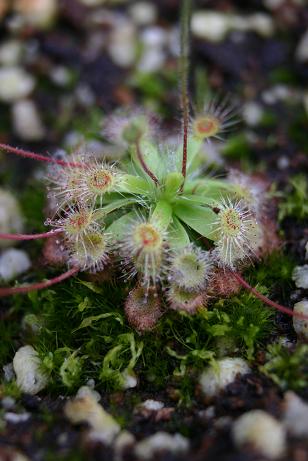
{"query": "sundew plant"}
pixel 154 216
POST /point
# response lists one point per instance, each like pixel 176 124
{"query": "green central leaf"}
pixel 198 218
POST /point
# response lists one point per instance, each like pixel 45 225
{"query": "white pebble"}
pixel 16 418
pixel 296 415
pixel 8 403
pixel 122 46
pixel 154 37
pixel 152 60
pixel 84 391
pixel 252 113
pixel 210 25
pixel 301 325
pixel 301 52
pixel 261 431
pixel 86 409
pixel 159 442
pixel 27 366
pixel 15 83
pixel 261 23
pixel 129 379
pixel 36 13
pixel 10 52
pixel 152 405
pixel 273 4
pixel 123 441
pixel 143 13
pixel 11 220
pixel 13 263
pixel 300 276
pixel 27 122
pixel 60 75
pixel 216 378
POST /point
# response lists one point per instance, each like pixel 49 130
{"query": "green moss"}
pixel 287 367
pixel 295 200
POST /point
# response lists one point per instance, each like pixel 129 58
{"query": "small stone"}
pixel 129 379
pixel 60 75
pixel 13 263
pixel 27 365
pixel 296 415
pixel 15 418
pixel 15 83
pixel 261 23
pixel 154 37
pixel 86 409
pixel 151 405
pixel 152 60
pixel 8 403
pixel 216 378
pixel 161 442
pixel 273 4
pixel 143 13
pixel 300 276
pixel 252 113
pixel 123 441
pixel 301 52
pixel 86 391
pixel 301 325
pixel 36 13
pixel 11 220
pixel 210 25
pixel 10 52
pixel 122 46
pixel 8 372
pixel 261 431
pixel 27 122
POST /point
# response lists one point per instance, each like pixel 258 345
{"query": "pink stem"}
pixel 39 157
pixel 266 300
pixel 38 286
pixel 30 236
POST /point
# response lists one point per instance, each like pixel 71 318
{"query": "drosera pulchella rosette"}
pixel 153 212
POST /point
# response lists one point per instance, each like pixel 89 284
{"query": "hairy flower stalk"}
pixel 38 157
pixel 184 67
pixel 22 237
pixel 9 291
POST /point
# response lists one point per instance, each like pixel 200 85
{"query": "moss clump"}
pixel 83 334
pixel 287 367
pixel 295 201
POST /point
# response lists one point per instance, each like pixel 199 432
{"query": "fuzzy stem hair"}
pixel 184 67
pixel 30 236
pixel 266 300
pixel 9 291
pixel 39 157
